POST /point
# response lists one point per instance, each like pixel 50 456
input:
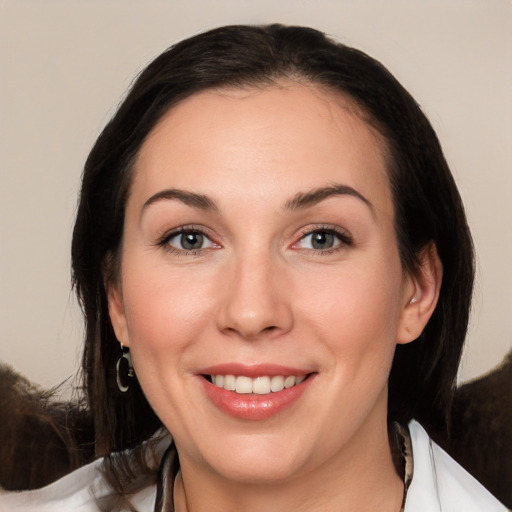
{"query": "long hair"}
pixel 427 206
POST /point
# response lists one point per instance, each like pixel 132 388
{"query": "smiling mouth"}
pixel 263 385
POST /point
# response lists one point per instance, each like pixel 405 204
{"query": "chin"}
pixel 258 463
pixel 252 472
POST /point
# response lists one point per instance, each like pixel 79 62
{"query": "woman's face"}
pixel 259 252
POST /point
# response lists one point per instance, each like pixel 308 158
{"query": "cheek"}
pixel 167 314
pixel 356 311
pixel 165 309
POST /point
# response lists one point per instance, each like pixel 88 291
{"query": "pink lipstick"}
pixel 254 392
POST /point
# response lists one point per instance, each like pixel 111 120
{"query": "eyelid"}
pixel 344 237
pixel 163 240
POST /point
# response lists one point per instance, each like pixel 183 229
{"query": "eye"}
pixel 188 240
pixel 323 240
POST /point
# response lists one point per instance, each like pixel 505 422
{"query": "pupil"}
pixel 322 240
pixel 191 241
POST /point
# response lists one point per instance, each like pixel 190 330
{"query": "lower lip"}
pixel 251 406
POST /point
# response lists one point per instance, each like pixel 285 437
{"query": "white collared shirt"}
pixel 440 484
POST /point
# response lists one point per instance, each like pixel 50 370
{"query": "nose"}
pixel 256 300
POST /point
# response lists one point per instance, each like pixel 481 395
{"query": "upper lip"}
pixel 253 371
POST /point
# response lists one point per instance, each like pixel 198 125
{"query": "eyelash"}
pixel 165 239
pixel 344 239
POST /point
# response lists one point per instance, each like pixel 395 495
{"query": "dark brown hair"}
pixel 427 205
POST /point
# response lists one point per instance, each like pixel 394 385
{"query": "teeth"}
pixel 259 386
pixel 243 385
pixel 289 381
pixel 229 382
pixel 277 383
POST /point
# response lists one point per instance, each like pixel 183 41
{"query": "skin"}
pixel 257 291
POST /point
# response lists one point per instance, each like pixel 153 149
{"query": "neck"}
pixel 362 478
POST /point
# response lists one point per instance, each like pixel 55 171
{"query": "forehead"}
pixel 230 141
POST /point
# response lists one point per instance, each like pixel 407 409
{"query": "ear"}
pixel 421 292
pixel 117 314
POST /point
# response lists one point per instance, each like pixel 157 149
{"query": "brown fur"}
pixel 41 439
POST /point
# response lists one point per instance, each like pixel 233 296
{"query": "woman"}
pixel 275 267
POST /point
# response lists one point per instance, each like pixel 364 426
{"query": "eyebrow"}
pixel 312 197
pixel 193 199
pixel 299 201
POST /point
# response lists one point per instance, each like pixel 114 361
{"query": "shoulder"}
pixel 79 491
pixel 440 484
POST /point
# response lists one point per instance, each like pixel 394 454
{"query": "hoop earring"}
pixel 124 370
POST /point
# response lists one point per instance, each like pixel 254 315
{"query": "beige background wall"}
pixel 65 64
